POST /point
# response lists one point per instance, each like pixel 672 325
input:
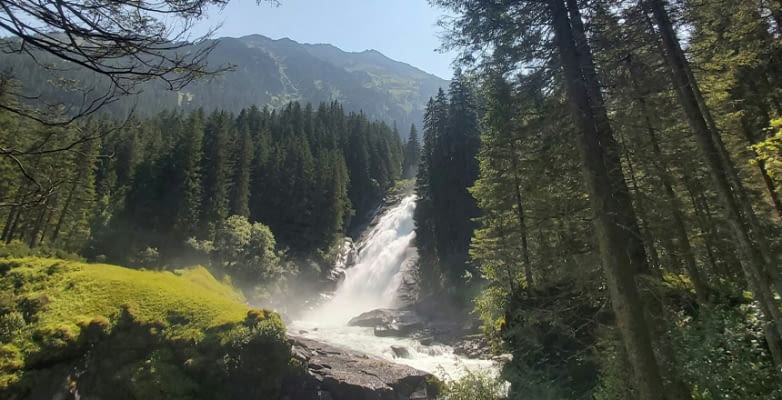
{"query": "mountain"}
pixel 272 72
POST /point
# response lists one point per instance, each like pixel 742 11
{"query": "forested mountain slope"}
pixel 264 72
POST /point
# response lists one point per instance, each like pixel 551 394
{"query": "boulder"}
pixel 335 373
pixel 398 329
pixel 371 319
pixel 389 322
pixel 400 351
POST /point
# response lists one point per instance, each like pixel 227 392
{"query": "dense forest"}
pixel 599 185
pixel 259 188
pixel 445 211
pixel 628 222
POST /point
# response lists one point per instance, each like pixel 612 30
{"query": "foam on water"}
pixel 373 282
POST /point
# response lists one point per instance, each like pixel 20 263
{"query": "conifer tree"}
pixel 412 154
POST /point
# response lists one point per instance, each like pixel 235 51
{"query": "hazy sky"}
pixel 404 30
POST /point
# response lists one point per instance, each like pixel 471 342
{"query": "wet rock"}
pixel 346 258
pixel 371 319
pixel 427 341
pixel 395 329
pixel 334 373
pixel 302 332
pixel 400 351
pixel 390 322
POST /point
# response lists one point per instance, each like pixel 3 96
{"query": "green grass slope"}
pixel 70 329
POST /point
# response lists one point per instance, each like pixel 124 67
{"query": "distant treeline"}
pixel 135 192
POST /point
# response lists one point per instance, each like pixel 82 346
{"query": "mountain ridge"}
pixel 268 72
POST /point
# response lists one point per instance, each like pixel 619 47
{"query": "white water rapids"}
pixel 373 282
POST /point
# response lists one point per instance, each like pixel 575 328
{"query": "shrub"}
pixel 18 249
pixel 11 324
pixel 722 353
pixel 474 386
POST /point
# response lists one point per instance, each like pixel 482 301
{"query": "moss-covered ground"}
pixel 100 331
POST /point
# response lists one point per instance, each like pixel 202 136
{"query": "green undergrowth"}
pixel 102 331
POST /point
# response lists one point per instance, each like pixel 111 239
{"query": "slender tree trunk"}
pixel 46 224
pixel 742 200
pixel 13 224
pixel 706 233
pixel 729 255
pixel 752 261
pixel 699 283
pixel 508 271
pixel 615 224
pixel 520 216
pixel 38 225
pixel 642 215
pixel 13 215
pixel 10 224
pixel 66 207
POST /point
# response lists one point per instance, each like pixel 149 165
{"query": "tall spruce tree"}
pixel 412 154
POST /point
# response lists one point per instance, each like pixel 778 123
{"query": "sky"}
pixel 404 30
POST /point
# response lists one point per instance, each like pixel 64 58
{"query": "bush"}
pixel 18 249
pixel 722 353
pixel 245 251
pixel 147 258
pixel 475 386
pixel 11 324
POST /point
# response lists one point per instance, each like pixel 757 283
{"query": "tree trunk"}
pixel 520 216
pixel 752 261
pixel 66 207
pixel 614 221
pixel 746 211
pixel 706 233
pixel 13 215
pixel 699 284
pixel 38 225
pixel 508 271
pixel 646 233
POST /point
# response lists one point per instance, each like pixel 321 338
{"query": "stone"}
pixel 398 329
pixel 335 373
pixel 389 322
pixel 373 318
pixel 400 351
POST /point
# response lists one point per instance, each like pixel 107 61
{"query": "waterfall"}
pixel 373 282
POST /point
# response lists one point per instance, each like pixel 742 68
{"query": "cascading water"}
pixel 373 282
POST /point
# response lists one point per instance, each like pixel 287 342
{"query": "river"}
pixel 374 282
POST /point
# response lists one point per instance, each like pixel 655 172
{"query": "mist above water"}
pixel 374 282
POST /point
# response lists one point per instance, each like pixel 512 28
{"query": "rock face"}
pixel 346 258
pixel 334 373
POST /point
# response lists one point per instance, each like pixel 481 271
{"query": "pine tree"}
pixel 217 167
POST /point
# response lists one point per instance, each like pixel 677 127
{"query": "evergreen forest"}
pixel 258 194
pixel 591 207
pixel 615 170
